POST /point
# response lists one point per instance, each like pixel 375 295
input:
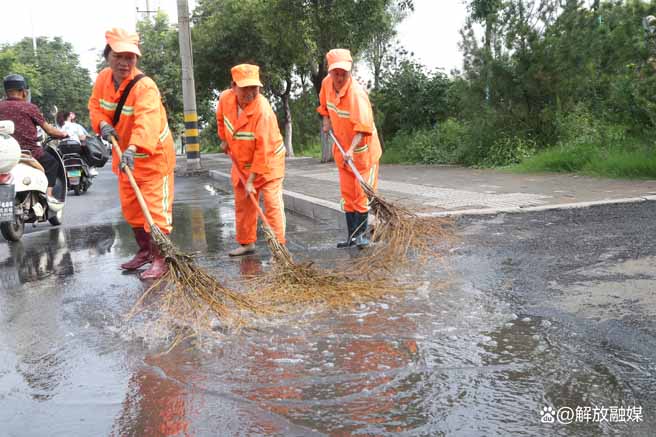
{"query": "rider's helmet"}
pixel 14 82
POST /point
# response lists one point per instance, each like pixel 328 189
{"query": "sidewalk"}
pixel 312 189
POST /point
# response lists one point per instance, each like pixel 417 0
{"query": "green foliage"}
pixel 288 39
pixel 305 121
pixel 54 74
pixel 209 140
pixel 440 145
pixel 409 98
pixel 509 150
pixel 161 62
pixel 627 160
pixel 312 150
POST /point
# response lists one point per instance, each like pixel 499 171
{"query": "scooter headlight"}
pixel 27 180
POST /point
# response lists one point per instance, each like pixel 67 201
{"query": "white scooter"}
pixel 23 186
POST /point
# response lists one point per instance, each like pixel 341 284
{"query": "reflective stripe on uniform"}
pixel 107 105
pixel 340 113
pixel 228 125
pixel 361 149
pixel 280 149
pixel 244 136
pixel 110 106
pixel 165 202
pixel 372 174
pixel 164 133
pixel 282 212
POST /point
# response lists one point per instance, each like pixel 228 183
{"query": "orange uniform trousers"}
pixel 354 198
pixel 158 194
pixel 246 213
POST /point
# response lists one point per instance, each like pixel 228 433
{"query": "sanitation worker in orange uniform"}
pixel 145 141
pixel 248 127
pixel 345 107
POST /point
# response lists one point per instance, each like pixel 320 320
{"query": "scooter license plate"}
pixel 6 203
pixel 74 173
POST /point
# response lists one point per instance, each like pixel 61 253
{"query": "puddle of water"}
pixel 446 360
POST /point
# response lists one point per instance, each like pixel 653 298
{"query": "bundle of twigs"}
pixel 188 286
pixel 284 290
pixel 400 231
pixel 292 284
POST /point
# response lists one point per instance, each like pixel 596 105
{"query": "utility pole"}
pixel 146 12
pixel 188 89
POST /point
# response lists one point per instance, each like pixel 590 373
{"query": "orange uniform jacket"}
pixel 143 123
pixel 253 137
pixel 350 113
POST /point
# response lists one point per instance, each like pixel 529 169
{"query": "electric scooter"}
pixel 23 187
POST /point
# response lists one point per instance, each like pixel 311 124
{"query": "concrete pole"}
pixel 188 89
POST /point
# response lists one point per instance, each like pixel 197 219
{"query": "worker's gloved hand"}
pixel 127 160
pixel 107 131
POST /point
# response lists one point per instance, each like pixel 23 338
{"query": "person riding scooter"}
pixel 26 117
pixel 77 133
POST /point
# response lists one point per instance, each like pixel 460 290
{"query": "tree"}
pixel 409 99
pixel 54 74
pixel 333 24
pixel 288 37
pixel 161 61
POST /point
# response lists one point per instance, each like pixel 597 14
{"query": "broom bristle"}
pixel 189 292
pixel 402 233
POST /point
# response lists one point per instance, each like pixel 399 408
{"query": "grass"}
pixel 312 150
pixel 616 162
pixel 390 155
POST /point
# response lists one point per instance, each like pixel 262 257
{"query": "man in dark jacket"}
pixel 26 117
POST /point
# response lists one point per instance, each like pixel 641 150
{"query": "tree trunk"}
pixel 288 119
pixel 326 145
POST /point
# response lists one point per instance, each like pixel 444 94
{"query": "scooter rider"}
pixel 26 117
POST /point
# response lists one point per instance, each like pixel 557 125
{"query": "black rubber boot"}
pixel 360 229
pixel 350 220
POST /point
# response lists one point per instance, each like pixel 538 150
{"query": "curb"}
pixel 516 210
pixel 325 210
pixel 308 206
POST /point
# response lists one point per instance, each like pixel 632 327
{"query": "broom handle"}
pixel 135 187
pixel 242 178
pixel 358 176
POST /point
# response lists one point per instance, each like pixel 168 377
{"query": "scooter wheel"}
pixel 12 231
pixel 77 190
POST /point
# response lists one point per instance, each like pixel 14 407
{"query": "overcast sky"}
pixel 431 32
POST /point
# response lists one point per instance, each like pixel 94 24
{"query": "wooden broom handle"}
pixel 358 176
pixel 135 187
pixel 242 178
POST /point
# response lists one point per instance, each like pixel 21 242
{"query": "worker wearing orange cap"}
pixel 145 141
pixel 345 107
pixel 248 127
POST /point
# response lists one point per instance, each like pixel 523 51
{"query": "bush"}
pixel 509 150
pixel 439 145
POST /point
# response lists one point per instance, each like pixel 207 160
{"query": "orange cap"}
pixel 246 75
pixel 120 40
pixel 339 58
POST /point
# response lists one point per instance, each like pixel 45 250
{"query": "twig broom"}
pixel 402 231
pixel 184 278
pixel 291 284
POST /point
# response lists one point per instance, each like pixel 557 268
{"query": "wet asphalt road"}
pixel 547 310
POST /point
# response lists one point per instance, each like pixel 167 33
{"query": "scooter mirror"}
pixel 6 127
